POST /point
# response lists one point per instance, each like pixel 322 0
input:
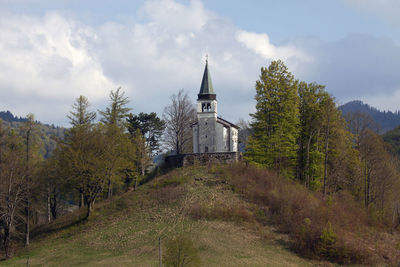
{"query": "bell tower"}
pixel 206 116
pixel 207 99
pixel 212 134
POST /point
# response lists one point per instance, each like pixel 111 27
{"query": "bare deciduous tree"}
pixel 12 187
pixel 178 117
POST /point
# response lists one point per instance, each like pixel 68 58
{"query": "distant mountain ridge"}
pixel 47 133
pixel 387 120
pixel 8 116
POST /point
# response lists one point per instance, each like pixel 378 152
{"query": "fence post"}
pixel 159 251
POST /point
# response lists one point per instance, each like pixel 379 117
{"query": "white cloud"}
pixel 260 44
pixel 47 61
pixel 174 15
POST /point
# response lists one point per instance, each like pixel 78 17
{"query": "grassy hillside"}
pixel 125 231
pixel 229 212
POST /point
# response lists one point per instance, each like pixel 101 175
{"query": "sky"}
pixel 52 51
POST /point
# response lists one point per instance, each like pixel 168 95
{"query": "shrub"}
pixel 327 242
pixel 180 252
pixel 310 220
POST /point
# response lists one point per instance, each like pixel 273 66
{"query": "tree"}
pixel 310 157
pixel 140 156
pixel 80 115
pixel 29 132
pixel 151 127
pixel 114 119
pixel 244 133
pixel 84 156
pixel 178 117
pixel 81 120
pixel 12 186
pixel 180 252
pixel 116 113
pixel 379 170
pixel 53 184
pixel 275 123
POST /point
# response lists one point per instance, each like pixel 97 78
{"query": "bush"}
pixel 327 242
pixel 180 252
pixel 310 220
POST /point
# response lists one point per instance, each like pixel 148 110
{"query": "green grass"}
pixel 125 231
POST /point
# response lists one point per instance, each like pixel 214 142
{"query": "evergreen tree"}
pixel 81 116
pixel 116 113
pixel 275 123
pixel 114 119
pixel 151 127
pixel 81 120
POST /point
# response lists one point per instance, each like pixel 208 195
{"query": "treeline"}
pixel 298 131
pixel 8 116
pixel 49 134
pixel 387 120
pixel 93 161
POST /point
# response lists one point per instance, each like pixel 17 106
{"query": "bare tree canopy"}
pixel 179 117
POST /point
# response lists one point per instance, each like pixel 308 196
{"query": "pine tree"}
pixel 275 123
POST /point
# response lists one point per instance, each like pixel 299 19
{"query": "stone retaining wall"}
pixel 202 158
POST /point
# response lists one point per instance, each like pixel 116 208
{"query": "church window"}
pixel 206 123
pixel 206 149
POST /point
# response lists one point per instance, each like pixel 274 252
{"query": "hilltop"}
pixel 387 120
pixel 48 134
pixel 228 226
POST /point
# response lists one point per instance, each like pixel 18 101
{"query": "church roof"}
pixel 206 88
pixel 227 123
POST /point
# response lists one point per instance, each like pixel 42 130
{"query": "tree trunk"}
pixel 109 192
pixel 326 157
pixel 308 162
pixel 6 241
pixel 27 230
pixel 48 208
pixel 89 209
pixel 135 184
pixel 54 207
pixel 81 199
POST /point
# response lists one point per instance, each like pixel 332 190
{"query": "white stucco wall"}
pixel 234 139
pixel 195 131
pixel 216 136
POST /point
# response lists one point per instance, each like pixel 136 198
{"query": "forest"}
pixel 297 132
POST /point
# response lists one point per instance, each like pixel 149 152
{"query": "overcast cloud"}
pixel 49 60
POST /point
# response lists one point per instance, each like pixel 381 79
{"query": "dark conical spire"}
pixel 206 88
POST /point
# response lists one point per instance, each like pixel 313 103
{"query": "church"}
pixel 212 134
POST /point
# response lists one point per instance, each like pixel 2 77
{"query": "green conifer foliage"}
pixel 276 120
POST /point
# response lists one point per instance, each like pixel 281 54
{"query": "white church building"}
pixel 212 134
